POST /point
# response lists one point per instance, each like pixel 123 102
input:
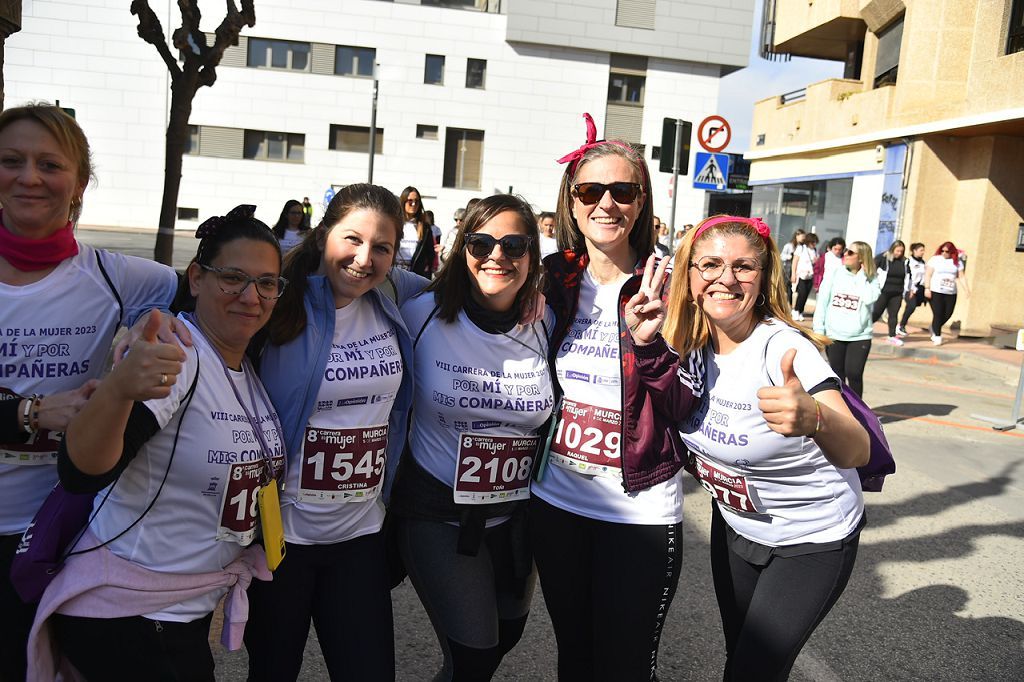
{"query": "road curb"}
pixel 1001 370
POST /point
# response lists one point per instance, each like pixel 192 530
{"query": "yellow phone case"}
pixel 270 521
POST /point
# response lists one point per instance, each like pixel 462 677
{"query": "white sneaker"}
pixel 798 317
pixel 901 331
pixel 893 341
pixel 937 340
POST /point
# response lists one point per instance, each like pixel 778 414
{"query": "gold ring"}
pixel 163 379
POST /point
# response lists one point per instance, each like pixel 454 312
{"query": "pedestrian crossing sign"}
pixel 712 171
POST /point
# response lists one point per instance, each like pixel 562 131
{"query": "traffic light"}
pixel 668 145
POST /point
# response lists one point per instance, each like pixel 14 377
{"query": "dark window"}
pixel 655 153
pixel 278 54
pixel 626 88
pixel 463 158
pixel 355 139
pixel 1015 40
pixel 425 132
pixel 476 73
pixel 887 62
pixel 192 142
pixel 433 70
pixel 480 5
pixel 266 145
pixel 354 61
pixel 188 213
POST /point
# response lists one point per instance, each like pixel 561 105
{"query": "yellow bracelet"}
pixel 817 419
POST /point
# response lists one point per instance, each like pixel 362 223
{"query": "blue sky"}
pixel 739 90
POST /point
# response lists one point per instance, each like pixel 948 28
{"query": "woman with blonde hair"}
pixel 843 313
pixel 771 440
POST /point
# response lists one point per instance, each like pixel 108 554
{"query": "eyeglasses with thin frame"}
pixel 591 192
pixel 711 268
pixel 234 282
pixel 513 246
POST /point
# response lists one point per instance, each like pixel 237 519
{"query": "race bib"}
pixel 846 302
pixel 947 284
pixel 587 440
pixel 493 468
pixel 342 465
pixel 240 503
pixel 726 485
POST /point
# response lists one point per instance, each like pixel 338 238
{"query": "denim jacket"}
pixel 292 373
pixel 652 451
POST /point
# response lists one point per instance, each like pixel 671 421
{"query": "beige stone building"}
pixel 922 140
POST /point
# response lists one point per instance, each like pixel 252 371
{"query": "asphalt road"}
pixel 938 591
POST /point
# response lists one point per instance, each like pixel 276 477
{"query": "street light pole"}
pixel 373 127
pixel 675 184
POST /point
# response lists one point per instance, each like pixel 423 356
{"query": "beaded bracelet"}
pixel 37 404
pixel 817 419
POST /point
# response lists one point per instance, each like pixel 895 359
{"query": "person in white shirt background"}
pixel 546 225
pixel 804 257
pixel 943 273
pixel 291 226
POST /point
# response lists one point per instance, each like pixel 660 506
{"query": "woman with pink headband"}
pixel 606 505
pixel 771 440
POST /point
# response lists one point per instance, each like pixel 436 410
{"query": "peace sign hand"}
pixel 645 312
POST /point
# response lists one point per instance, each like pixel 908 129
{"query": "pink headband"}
pixel 573 157
pixel 756 223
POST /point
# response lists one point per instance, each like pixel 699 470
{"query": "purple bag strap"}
pixel 881 462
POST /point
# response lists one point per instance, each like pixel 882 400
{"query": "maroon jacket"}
pixel 652 451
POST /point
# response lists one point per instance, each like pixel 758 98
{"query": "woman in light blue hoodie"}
pixel 843 313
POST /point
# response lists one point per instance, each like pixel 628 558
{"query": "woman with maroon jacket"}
pixel 606 506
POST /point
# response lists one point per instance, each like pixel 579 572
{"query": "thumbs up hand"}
pixel 169 330
pixel 788 408
pixel 150 369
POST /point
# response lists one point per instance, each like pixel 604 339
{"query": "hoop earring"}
pixel 763 300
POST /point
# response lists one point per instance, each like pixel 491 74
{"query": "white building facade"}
pixel 475 96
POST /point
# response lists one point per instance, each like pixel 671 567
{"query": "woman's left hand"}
pixel 788 409
pixel 645 312
pixel 172 330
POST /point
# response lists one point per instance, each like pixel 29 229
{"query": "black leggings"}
pixel 803 290
pixel 916 299
pixel 477 606
pixel 942 310
pixel 847 359
pixel 136 648
pixel 608 587
pixel 16 618
pixel 769 612
pixel 343 588
pixel 889 302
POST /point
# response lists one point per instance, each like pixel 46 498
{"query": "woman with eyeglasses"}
pixel 291 226
pixel 846 300
pixel 336 365
pixel 606 506
pixel 943 273
pixel 181 449
pixel 772 441
pixel 483 394
pixel 416 251
pixel 61 303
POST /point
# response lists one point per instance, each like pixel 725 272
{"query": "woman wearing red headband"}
pixel 606 506
pixel 772 440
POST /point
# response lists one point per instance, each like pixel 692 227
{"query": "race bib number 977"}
pixel 725 484
pixel 343 465
pixel 493 468
pixel 587 440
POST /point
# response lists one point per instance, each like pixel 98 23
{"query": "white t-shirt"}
pixel 589 371
pixel 832 261
pixel 793 493
pixel 471 382
pixel 54 336
pixel 803 261
pixel 407 247
pixel 548 245
pixel 332 492
pixel 207 510
pixel 291 239
pixel 944 274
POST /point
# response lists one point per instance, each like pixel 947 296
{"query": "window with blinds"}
pixel 635 13
pixel 887 62
pixel 463 158
pixel 345 138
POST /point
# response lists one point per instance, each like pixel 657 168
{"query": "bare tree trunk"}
pixel 182 93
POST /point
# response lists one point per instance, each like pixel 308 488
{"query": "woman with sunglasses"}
pixel 606 508
pixel 772 441
pixel 483 393
pixel 291 226
pixel 846 300
pixel 943 272
pixel 336 365
pixel 61 303
pixel 187 446
pixel 416 251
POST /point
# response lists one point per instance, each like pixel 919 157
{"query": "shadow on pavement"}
pixel 896 412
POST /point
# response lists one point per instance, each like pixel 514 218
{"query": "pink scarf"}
pixel 28 255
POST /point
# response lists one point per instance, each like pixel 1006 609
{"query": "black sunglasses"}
pixel 513 246
pixel 591 192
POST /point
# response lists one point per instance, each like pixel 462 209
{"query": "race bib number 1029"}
pixel 343 465
pixel 587 440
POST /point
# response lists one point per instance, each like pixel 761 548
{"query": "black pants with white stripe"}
pixel 607 587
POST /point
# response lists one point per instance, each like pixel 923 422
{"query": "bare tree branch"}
pixel 226 35
pixel 152 32
pixel 191 17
